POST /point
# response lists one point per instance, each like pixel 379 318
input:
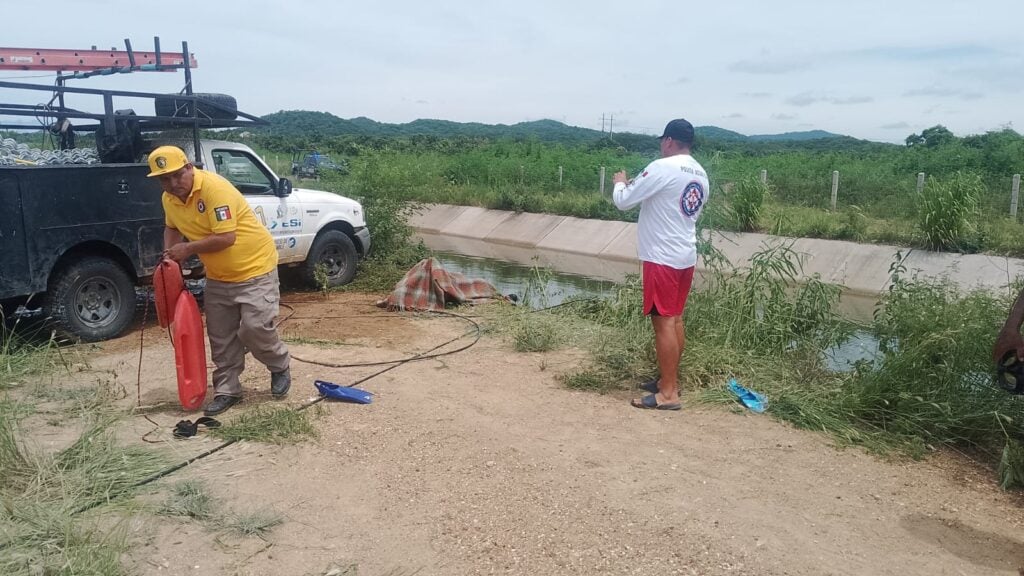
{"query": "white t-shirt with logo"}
pixel 671 193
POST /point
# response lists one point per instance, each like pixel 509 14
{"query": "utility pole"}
pixel 611 126
pixel 602 123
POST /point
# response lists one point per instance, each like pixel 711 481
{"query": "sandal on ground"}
pixel 187 428
pixel 650 402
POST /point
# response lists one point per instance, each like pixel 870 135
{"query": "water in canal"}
pixel 539 287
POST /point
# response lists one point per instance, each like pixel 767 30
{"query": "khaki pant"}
pixel 239 319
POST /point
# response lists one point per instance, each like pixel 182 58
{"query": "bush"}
pixel 747 199
pixel 948 210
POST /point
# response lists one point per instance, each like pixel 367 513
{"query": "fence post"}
pixel 559 175
pixel 1014 194
pixel 764 176
pixel 602 180
pixel 835 188
pixel 920 182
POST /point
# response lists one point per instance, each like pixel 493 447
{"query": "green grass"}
pixel 41 529
pixel 23 352
pixel 256 523
pixel 931 389
pixel 192 499
pixel 271 425
pixel 317 342
pixel 877 202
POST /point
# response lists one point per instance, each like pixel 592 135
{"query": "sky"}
pixel 877 70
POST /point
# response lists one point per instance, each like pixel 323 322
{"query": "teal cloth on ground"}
pixel 752 400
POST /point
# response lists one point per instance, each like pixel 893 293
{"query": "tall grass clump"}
pixel 764 308
pixel 746 199
pixel 51 521
pixel 948 210
pixel 22 352
pixel 623 349
pixel 935 382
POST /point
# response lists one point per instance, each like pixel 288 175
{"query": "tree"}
pixel 937 136
pixel 931 137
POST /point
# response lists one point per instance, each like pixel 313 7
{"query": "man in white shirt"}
pixel 671 193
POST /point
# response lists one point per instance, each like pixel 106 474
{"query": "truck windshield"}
pixel 242 171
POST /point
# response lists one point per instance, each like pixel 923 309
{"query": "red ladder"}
pixel 89 60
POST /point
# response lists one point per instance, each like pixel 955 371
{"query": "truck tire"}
pixel 337 254
pixel 171 106
pixel 91 299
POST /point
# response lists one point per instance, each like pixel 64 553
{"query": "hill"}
pixel 324 124
pixel 795 136
pixel 306 123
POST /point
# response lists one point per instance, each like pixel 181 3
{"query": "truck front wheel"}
pixel 91 299
pixel 332 260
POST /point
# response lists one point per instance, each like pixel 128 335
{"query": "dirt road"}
pixel 481 463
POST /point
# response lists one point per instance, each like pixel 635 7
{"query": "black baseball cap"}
pixel 679 130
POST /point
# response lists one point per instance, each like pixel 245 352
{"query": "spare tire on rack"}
pixel 174 106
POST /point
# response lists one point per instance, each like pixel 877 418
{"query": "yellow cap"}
pixel 166 159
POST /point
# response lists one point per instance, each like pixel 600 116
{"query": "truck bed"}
pixel 48 210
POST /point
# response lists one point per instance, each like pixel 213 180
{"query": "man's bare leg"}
pixel 668 345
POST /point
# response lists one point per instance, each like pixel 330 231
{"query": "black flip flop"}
pixel 187 428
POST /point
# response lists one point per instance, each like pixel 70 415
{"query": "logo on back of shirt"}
pixel 222 213
pixel 692 199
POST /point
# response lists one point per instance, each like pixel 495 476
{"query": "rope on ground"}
pixel 475 331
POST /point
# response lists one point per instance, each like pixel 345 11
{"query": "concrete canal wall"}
pixel 606 249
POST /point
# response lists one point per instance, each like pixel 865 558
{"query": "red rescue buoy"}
pixel 168 285
pixel 189 352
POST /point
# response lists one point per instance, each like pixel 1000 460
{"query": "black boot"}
pixel 221 403
pixel 280 382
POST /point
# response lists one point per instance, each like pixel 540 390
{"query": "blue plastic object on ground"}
pixel 753 400
pixel 346 393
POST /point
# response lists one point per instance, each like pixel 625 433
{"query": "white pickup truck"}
pixel 311 228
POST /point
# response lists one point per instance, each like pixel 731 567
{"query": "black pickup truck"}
pixel 79 237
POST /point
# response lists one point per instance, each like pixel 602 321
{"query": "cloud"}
pixel 940 92
pixel 735 115
pixel 756 94
pixel 783 117
pixel 895 126
pixel 682 80
pixel 422 102
pixel 768 66
pixel 926 53
pixel 852 100
pixel 803 99
pixel 807 98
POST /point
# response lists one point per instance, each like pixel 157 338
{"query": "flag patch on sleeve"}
pixel 222 213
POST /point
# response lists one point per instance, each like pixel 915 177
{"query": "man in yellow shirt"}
pixel 242 290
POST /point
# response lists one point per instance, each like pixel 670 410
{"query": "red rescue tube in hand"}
pixel 189 352
pixel 168 285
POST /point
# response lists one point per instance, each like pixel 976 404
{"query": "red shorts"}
pixel 665 289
